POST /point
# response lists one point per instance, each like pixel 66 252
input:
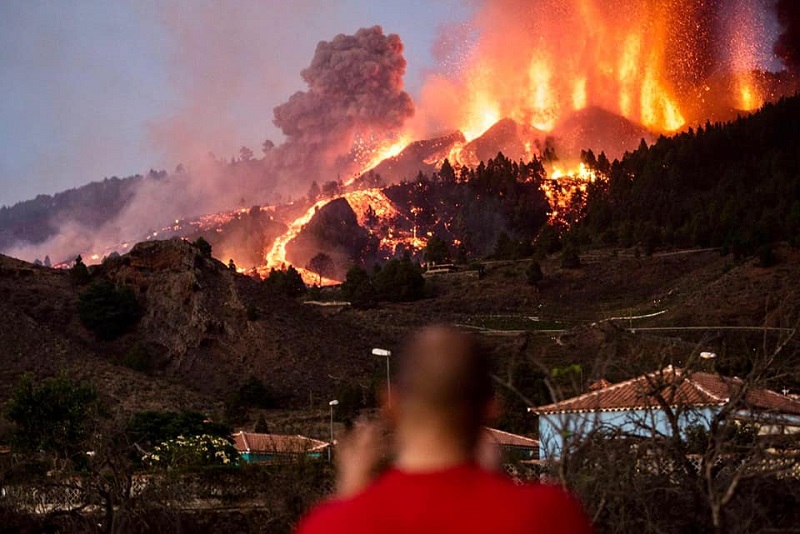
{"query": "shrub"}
pixel 79 273
pixel 192 451
pixel 400 281
pixel 108 310
pixel 286 282
pixel 139 358
pixel 53 415
pixel 570 258
pixel 534 273
pixel 203 246
pixel 153 427
pixel 766 257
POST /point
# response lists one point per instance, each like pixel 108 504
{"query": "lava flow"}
pixel 276 256
pixel 365 203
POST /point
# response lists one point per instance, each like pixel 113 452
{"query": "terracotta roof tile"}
pixel 676 387
pixel 507 439
pixel 276 443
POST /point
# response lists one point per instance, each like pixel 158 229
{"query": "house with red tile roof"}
pixel 642 406
pixel 512 447
pixel 270 448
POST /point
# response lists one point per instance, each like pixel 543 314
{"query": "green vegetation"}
pixel 286 282
pixel 570 258
pixel 79 273
pixel 191 452
pixel 203 246
pixel 731 185
pixel 498 196
pixel 359 289
pixel 534 273
pixel 140 358
pixel 108 310
pixel 251 394
pixel 436 251
pixel 399 281
pixel 54 415
pixel 152 427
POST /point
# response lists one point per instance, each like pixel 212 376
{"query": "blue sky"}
pixel 85 83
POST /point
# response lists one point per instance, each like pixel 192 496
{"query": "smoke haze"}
pixel 787 47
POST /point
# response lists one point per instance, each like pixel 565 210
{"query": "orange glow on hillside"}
pixel 565 189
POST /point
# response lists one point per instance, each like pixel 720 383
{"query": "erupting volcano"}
pixel 538 81
pixel 560 76
pixel 664 65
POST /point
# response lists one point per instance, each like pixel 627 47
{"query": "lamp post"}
pixel 331 404
pixel 387 354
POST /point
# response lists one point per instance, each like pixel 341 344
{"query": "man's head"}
pixel 444 379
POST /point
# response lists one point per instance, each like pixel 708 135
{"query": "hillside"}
pixel 204 330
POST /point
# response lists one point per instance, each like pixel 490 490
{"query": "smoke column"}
pixel 787 47
pixel 355 87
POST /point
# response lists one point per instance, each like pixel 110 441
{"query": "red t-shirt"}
pixel 462 499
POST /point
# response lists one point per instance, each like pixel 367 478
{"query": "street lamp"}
pixel 387 354
pixel 331 404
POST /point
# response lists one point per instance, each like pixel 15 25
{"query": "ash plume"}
pixel 787 47
pixel 355 87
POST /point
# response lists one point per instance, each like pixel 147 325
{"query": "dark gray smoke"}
pixel 355 86
pixel 787 47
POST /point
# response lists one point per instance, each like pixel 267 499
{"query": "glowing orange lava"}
pixel 365 203
pixel 565 189
pixel 537 62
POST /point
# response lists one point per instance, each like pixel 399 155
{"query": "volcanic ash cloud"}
pixel 355 90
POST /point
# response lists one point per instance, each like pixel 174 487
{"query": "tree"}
pixel 47 262
pixel 79 273
pixel 331 188
pixel 358 289
pixel 192 451
pixel 322 265
pixel 570 258
pixel 504 247
pixel 355 277
pixel 286 282
pixel 399 281
pixel 436 251
pixel 231 265
pixel 151 427
pixel 53 415
pixel 261 426
pixel 203 246
pixel 446 173
pixel 245 154
pixel 314 192
pixel 267 146
pixel 534 273
pixel 251 394
pixel 107 309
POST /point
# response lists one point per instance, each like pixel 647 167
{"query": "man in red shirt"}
pixel 441 400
